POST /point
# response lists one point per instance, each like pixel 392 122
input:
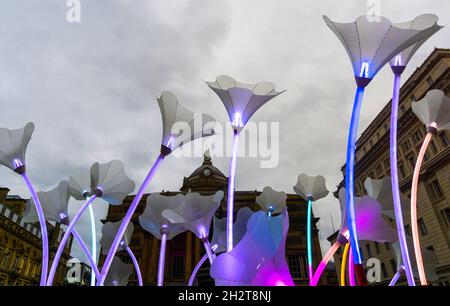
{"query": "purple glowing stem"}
pixel 396 277
pixel 136 265
pixel 64 239
pixel 349 175
pixel 395 184
pixel 162 259
pixel 230 198
pixel 209 252
pixel 93 242
pixel 197 267
pixel 43 225
pixel 309 242
pixel 86 252
pixel 126 220
pixel 324 263
pixel 351 269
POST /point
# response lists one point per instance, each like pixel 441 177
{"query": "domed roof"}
pixel 206 178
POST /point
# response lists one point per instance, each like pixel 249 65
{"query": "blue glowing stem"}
pixel 42 223
pixel 309 242
pixel 395 184
pixel 230 198
pixel 64 239
pixel 349 175
pixel 136 264
pixel 126 220
pixel 93 241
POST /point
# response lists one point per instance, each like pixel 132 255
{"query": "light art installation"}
pixel 369 45
pixel 271 201
pixel 259 259
pixel 55 204
pixel 371 227
pixel 433 111
pixel 108 182
pixel 119 274
pixel 13 147
pixel 109 231
pixel 80 189
pixel 241 102
pixel 427 25
pixel 153 221
pixel 172 114
pixel 310 188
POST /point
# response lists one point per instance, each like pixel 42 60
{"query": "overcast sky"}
pixel 90 87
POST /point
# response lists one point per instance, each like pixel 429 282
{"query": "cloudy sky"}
pixel 90 87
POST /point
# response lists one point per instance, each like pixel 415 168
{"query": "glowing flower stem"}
pixel 86 252
pixel 343 264
pixel 136 264
pixel 43 225
pixel 414 227
pixel 309 242
pixel 324 263
pixel 349 175
pixel 230 198
pixel 93 242
pixel 396 277
pixel 197 267
pixel 127 219
pixel 162 259
pixel 208 250
pixel 395 184
pixel 64 239
pixel 351 269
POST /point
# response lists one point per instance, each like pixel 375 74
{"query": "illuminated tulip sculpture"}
pixel 13 146
pixel 370 45
pixel 259 259
pixel 119 273
pixel 427 25
pixel 219 238
pixel 241 102
pixel 310 188
pixel 371 227
pixel 153 221
pixel 55 204
pixel 109 231
pixel 434 112
pixel 180 126
pixel 80 189
pixel 429 258
pixel 195 214
pixel 271 201
pixel 108 182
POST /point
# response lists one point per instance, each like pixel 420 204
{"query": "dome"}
pixel 205 179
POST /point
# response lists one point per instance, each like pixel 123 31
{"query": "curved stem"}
pixel 136 264
pixel 230 197
pixel 197 267
pixel 209 252
pixel 64 239
pixel 93 242
pixel 349 175
pixel 414 226
pixel 126 220
pixel 396 277
pixel 309 242
pixel 343 263
pixel 86 252
pixel 351 269
pixel 324 263
pixel 43 225
pixel 395 184
pixel 162 259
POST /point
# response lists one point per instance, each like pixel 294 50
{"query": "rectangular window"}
pixel 436 190
pixel 5 260
pixel 387 246
pixel 377 247
pixel 402 171
pixel 393 266
pixel 369 251
pixel 431 248
pixel 433 147
pixel 406 145
pixel 412 161
pixel 422 227
pixel 444 139
pixel 383 269
pixel 445 213
pixel 177 266
pixel 294 266
pixel 408 229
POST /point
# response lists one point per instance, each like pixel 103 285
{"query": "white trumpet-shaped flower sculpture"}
pixel 434 112
pixel 271 201
pixel 109 231
pixel 119 274
pixel 13 147
pixel 110 182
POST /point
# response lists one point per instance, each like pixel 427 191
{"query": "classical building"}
pixel 20 245
pixel 372 160
pixel 185 250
